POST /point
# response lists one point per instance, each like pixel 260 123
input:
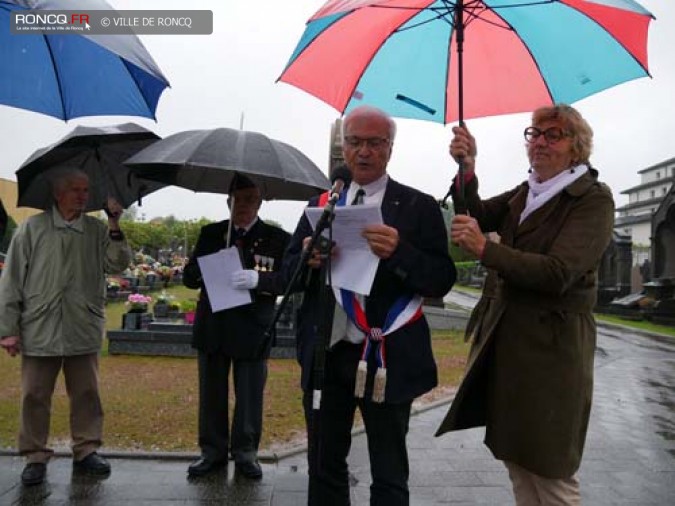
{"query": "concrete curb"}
pixel 265 457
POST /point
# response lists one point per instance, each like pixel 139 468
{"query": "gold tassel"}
pixel 361 373
pixel 380 384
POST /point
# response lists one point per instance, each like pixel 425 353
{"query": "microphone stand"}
pixel 324 222
pixel 323 331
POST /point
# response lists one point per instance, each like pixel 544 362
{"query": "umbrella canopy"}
pixel 208 161
pixel 412 58
pixel 97 151
pixel 69 76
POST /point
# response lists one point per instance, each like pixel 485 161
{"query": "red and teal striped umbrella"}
pixel 443 60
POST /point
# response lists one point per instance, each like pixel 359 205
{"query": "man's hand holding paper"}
pixel 382 239
pixel 361 239
pixel 218 270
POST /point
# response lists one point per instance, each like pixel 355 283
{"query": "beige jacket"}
pixel 52 289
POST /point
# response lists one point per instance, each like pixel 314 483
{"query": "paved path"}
pixel 629 458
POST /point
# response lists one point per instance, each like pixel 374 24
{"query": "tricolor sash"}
pixel 405 310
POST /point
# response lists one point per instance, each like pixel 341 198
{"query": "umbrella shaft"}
pixel 459 37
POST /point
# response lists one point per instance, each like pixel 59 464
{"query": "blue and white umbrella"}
pixel 70 76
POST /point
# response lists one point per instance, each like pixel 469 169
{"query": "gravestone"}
pixel 166 337
pixel 614 272
pixel 662 286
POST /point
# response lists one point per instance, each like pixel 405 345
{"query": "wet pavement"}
pixel 629 457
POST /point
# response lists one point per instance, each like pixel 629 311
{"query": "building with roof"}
pixel 9 196
pixel 635 218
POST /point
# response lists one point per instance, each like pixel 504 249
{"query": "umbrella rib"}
pixel 471 9
pixel 56 73
pixel 110 181
pixel 125 63
pixel 203 169
pixel 370 59
pixel 610 34
pixel 527 47
pixel 441 13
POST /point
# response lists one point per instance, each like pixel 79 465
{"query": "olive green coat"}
pixel 529 378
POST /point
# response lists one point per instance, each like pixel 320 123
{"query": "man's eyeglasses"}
pixel 552 135
pixel 372 142
pixel 244 199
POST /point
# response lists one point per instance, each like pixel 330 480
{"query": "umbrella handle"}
pixel 459 198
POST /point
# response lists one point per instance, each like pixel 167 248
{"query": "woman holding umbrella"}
pixel 529 379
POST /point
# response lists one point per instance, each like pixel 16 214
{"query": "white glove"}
pixel 245 280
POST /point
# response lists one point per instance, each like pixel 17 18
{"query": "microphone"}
pixel 341 177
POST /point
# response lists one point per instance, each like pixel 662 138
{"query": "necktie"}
pixel 239 237
pixel 358 198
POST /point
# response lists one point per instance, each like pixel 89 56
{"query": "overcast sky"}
pixel 217 78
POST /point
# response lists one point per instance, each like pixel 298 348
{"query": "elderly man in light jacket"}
pixel 52 295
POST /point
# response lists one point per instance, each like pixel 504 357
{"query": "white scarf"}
pixel 542 192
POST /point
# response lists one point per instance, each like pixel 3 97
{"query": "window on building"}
pixel 652 193
pixel 663 191
pixel 658 175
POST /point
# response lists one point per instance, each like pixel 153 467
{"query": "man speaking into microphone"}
pixel 380 355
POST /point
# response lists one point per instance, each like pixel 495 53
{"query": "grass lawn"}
pixel 150 403
pixel 641 324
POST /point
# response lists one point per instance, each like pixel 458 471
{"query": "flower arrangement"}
pixel 188 305
pixel 116 282
pixel 138 303
pixel 165 272
pixel 163 298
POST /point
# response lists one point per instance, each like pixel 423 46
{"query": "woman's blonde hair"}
pixel 574 125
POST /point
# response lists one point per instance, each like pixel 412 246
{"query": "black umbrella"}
pixel 97 151
pixel 208 160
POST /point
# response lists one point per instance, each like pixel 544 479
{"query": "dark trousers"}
pixel 330 437
pixel 249 384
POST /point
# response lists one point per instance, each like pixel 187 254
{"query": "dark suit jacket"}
pixel 238 332
pixel 420 265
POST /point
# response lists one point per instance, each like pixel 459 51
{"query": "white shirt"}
pixel 343 328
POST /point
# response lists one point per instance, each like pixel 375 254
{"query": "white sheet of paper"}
pixel 354 266
pixel 217 269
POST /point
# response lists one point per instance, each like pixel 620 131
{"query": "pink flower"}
pixel 138 301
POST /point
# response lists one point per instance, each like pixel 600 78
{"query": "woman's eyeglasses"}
pixel 552 135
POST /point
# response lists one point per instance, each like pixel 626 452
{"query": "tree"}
pixel 163 233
